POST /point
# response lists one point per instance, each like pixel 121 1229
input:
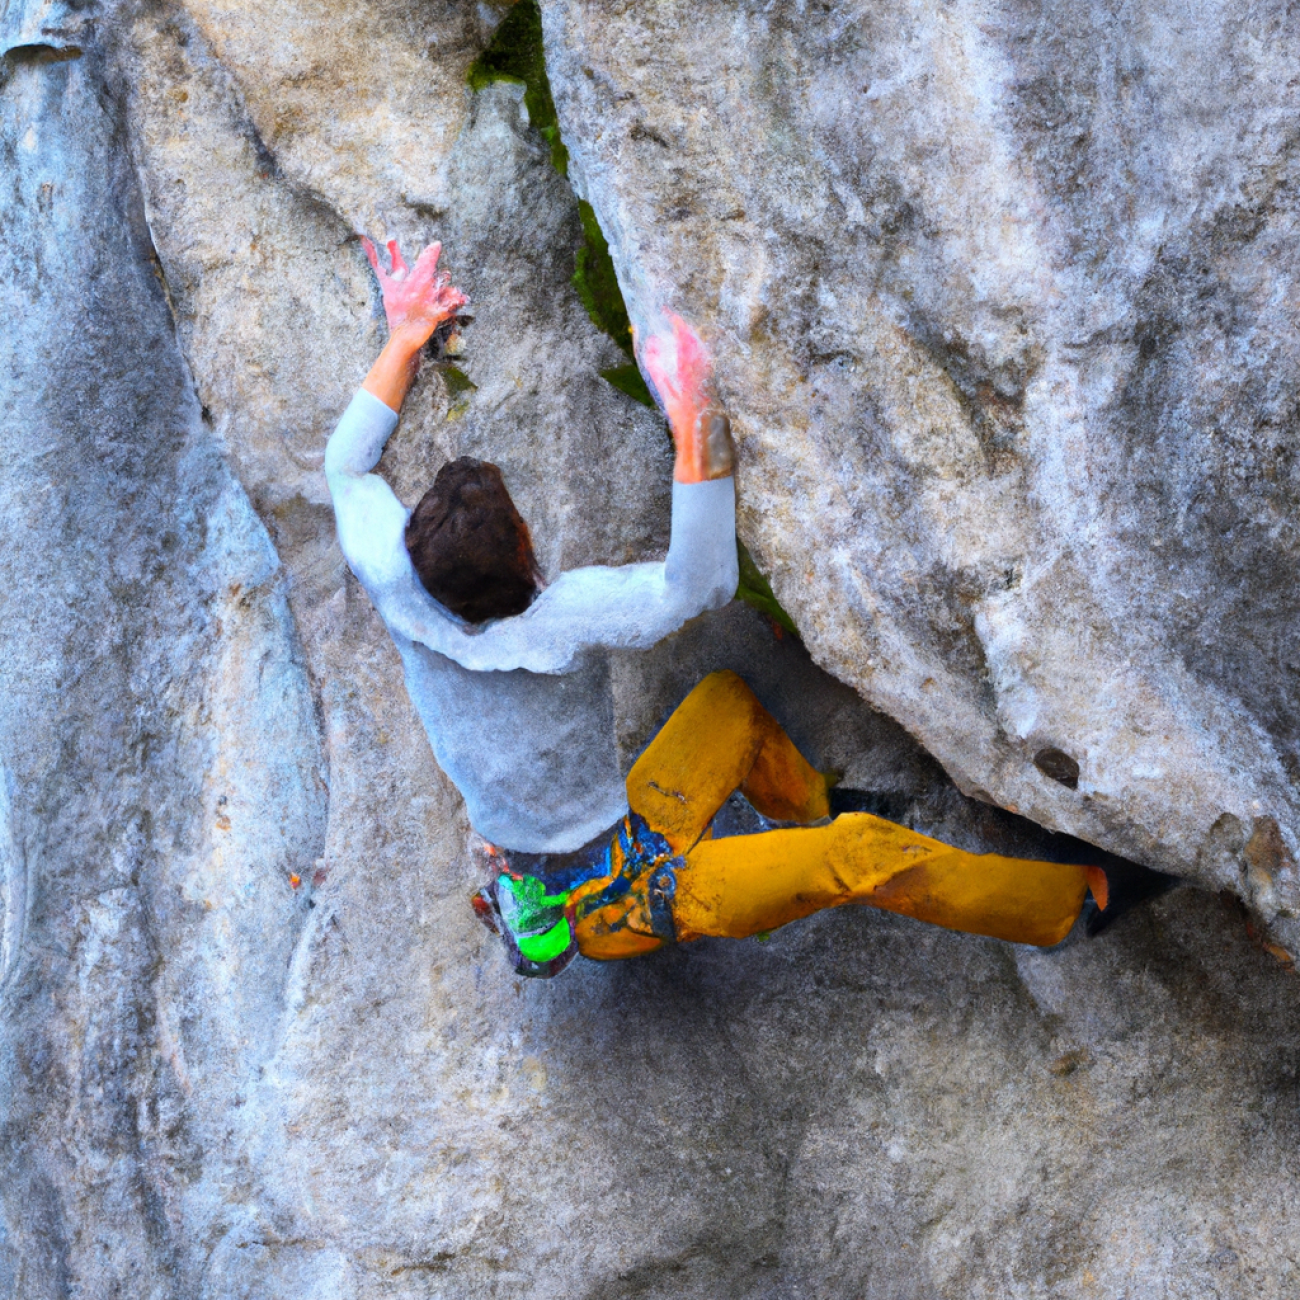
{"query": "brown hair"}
pixel 470 546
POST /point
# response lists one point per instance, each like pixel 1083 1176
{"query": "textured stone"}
pixel 161 757
pixel 1005 312
pixel 216 1085
pixel 360 104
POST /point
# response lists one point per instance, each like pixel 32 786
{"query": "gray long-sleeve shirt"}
pixel 519 711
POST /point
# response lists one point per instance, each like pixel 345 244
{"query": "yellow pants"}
pixel 721 739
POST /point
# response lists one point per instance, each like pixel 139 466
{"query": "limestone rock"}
pixel 220 1084
pixel 359 104
pixel 1005 311
pixel 162 764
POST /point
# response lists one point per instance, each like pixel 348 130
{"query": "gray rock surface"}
pixel 1005 308
pixel 218 1085
pixel 162 758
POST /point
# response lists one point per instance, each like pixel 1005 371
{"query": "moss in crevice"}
pixel 627 379
pixel 515 54
pixel 755 590
pixel 597 284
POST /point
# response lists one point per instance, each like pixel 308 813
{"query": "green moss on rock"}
pixel 596 283
pixel 457 381
pixel 627 379
pixel 755 590
pixel 516 54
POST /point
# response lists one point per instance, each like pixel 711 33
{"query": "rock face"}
pixel 1001 308
pixel 1006 313
pixel 149 657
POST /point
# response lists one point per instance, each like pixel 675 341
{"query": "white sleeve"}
pixel 358 441
pixel 365 507
pixel 630 607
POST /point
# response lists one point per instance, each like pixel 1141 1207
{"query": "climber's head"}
pixel 470 546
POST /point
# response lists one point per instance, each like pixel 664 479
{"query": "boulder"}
pixel 1005 314
pixel 253 1041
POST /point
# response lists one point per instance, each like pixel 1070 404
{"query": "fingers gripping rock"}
pixel 416 299
pixel 681 372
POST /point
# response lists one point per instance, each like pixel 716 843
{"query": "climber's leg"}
pixel 782 784
pixel 747 884
pixel 720 739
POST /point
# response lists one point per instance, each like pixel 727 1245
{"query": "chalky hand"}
pixel 417 299
pixel 681 372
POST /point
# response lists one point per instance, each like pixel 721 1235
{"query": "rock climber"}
pixel 585 861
